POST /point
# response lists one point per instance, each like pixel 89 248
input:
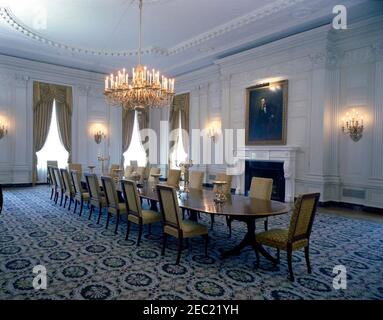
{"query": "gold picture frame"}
pixel 266 113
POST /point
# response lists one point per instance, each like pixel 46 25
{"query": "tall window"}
pixel 136 150
pixel 53 149
pixel 178 155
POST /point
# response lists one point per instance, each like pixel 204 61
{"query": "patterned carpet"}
pixel 85 261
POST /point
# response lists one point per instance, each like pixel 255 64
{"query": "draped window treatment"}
pixel 180 108
pixel 43 96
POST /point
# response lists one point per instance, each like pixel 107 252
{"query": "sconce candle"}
pixel 353 125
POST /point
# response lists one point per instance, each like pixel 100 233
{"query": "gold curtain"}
pixel 64 108
pixel 179 106
pixel 42 115
pixel 143 123
pixel 43 96
pixel 127 130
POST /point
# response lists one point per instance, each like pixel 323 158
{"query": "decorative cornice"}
pixel 265 11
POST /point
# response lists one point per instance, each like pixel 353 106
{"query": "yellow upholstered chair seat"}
pixel 278 238
pixel 85 195
pixel 189 229
pixel 121 207
pixel 148 217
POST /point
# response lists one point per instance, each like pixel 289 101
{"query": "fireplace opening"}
pixel 266 169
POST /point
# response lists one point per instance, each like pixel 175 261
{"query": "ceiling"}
pixel 178 35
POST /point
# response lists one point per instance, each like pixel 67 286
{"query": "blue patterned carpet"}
pixel 85 261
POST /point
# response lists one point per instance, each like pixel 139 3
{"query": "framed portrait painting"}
pixel 266 114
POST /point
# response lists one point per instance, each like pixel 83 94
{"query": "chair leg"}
pixel 52 193
pixel 180 243
pixel 66 199
pixel 70 203
pixel 139 233
pixel 228 223
pixel 81 206
pixel 257 257
pixel 206 244
pixel 164 239
pixel 212 221
pixel 107 219
pixel 307 259
pixel 62 198
pixel 75 206
pixel 290 263
pixel 117 222
pixel 56 197
pixel 99 214
pixel 90 212
pixel 266 224
pixel 127 231
pixel 278 255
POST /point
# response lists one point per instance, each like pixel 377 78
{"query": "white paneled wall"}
pixel 329 73
pixel 89 107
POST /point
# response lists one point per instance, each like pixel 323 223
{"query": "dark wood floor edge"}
pixel 20 185
pixel 346 205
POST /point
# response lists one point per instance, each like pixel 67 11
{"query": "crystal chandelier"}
pixel 142 88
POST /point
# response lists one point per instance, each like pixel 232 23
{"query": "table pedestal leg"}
pixel 249 240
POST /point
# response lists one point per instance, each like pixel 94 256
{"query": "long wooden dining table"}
pixel 239 207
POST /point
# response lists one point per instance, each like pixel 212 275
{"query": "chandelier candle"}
pixel 142 89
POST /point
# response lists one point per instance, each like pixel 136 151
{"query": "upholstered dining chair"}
pixel 196 179
pixel 135 212
pixel 260 188
pixel 80 194
pixel 51 163
pixel 226 189
pixel 75 166
pixel 52 181
pixel 153 170
pixel 113 205
pixel 141 171
pixel 174 178
pixel 68 188
pixel 297 236
pixel 96 196
pixel 60 186
pixel 174 225
pixel 128 171
pixel 113 167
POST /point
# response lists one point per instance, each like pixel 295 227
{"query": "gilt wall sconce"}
pixel 353 125
pixel 98 136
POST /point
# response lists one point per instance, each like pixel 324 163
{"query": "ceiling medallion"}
pixel 144 88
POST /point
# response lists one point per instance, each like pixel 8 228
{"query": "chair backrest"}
pixel 196 179
pixel 141 172
pixel 174 178
pixel 93 186
pixel 68 187
pixel 75 166
pixel 128 171
pixel 76 181
pixel 58 177
pixel 52 179
pixel 112 168
pixel 170 210
pixel 261 188
pixel 131 197
pixel 153 170
pixel 224 177
pixel 303 216
pixel 134 163
pixel 110 191
pixel 52 163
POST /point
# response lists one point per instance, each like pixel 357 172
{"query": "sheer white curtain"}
pixel 136 150
pixel 178 155
pixel 53 149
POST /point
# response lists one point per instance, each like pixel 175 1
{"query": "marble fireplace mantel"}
pixel 285 154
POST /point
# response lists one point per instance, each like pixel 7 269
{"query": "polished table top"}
pixel 203 201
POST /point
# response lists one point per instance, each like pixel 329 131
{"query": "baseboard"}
pixel 17 185
pixel 356 207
